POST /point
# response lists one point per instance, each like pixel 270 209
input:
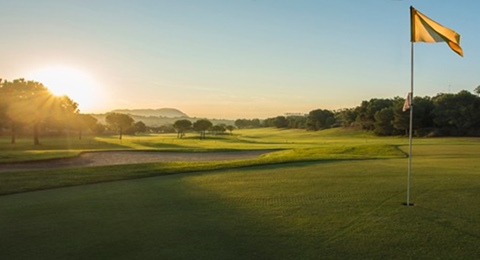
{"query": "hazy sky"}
pixel 235 59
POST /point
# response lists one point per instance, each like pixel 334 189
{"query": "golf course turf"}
pixel 329 195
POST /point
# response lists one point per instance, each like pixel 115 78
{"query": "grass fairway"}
pixel 324 209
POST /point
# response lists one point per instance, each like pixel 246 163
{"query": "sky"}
pixel 230 59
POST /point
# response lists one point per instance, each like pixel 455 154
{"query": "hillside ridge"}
pixel 159 112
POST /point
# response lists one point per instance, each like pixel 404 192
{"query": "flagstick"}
pixel 410 131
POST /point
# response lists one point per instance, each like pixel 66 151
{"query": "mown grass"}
pixel 333 144
pixel 306 148
pixel 264 138
pixel 57 147
pixel 30 180
pixel 334 209
pixel 323 196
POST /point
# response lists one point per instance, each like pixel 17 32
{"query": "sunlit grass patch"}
pixel 28 180
pixel 339 152
pixel 333 144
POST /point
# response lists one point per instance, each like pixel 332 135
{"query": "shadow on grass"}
pixel 13 182
pixel 162 218
pixel 350 213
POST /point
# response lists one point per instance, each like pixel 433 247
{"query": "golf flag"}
pixel 408 102
pixel 425 29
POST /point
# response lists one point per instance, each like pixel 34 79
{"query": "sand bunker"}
pixel 129 157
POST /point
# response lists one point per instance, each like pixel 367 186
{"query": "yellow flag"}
pixel 425 29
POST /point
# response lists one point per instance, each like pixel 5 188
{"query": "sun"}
pixel 74 83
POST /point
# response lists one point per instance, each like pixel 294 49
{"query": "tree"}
pixel 423 115
pixel 230 128
pixel 383 121
pixel 219 129
pixel 168 128
pixel 64 114
pixel 201 126
pixel 280 122
pixel 269 122
pixel 345 117
pixel 15 97
pixel 83 122
pixel 366 112
pixel 140 127
pixel 457 114
pixel 30 103
pixel 137 127
pixel 477 90
pixel 320 119
pixel 247 123
pixel 181 126
pixel 241 123
pixel 119 122
pixel 3 106
pixel 298 122
pixel 401 119
pixel 98 128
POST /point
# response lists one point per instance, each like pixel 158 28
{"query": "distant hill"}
pixel 160 112
pixel 159 117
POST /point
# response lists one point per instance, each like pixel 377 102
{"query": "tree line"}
pixel 29 106
pixel 201 126
pixel 445 114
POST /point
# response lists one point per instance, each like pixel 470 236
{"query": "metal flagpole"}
pixel 410 131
